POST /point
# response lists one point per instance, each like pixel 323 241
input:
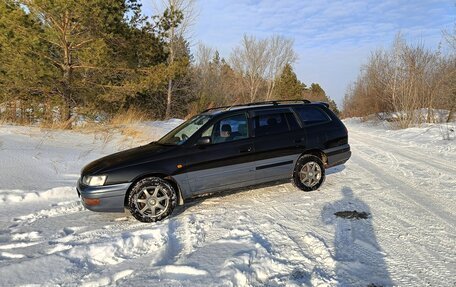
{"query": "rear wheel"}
pixel 152 199
pixel 309 173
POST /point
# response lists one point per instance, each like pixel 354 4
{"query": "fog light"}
pixel 91 201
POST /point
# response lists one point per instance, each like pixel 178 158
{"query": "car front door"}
pixel 227 161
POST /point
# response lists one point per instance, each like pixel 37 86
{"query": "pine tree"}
pixel 25 76
pixel 316 93
pixel 288 86
pixel 94 55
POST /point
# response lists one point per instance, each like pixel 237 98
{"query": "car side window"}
pixel 268 123
pixel 228 129
pixel 312 115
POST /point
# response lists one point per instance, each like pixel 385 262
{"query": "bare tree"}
pixel 450 37
pixel 407 79
pixel 415 86
pixel 280 53
pixel 215 83
pixel 261 61
pixel 203 56
pixel 450 82
pixel 204 77
pixel 446 93
pixel 250 60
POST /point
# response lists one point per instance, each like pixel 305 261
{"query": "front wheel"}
pixel 151 199
pixel 309 173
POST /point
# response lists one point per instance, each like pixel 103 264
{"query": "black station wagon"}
pixel 220 149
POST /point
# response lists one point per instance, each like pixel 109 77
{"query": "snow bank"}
pixel 18 195
pixel 114 250
pixel 419 116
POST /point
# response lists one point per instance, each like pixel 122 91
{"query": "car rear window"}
pixel 312 115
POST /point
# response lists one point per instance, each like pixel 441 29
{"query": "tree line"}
pixel 407 80
pixel 256 70
pixel 62 59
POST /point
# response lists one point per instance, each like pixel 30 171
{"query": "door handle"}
pixel 245 149
pixel 299 141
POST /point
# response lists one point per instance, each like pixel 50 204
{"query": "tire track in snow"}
pixel 285 244
pixel 413 241
pixel 284 229
pixel 413 248
pixel 428 180
pixel 405 151
pixel 56 211
pixel 409 218
pixel 417 251
pixel 401 186
pixel 313 251
pixel 416 169
pixel 424 197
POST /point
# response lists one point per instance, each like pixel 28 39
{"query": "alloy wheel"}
pixel 310 174
pixel 152 201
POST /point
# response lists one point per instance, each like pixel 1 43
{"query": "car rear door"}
pixel 278 141
pixel 225 163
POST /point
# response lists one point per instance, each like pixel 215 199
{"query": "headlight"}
pixel 94 180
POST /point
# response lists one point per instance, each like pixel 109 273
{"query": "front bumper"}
pixel 111 197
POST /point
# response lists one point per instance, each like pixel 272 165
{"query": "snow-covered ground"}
pixel 272 235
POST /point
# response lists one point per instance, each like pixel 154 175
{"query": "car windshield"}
pixel 180 134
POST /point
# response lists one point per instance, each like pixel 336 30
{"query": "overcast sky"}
pixel 332 38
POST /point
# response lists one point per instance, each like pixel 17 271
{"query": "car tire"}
pixel 309 173
pixel 151 199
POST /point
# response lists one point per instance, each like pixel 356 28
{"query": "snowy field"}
pixel 272 235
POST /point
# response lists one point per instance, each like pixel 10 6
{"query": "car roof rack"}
pixel 274 103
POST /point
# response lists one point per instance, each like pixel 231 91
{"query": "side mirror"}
pixel 204 141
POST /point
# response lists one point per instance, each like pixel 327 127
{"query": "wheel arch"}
pixel 318 153
pixel 168 178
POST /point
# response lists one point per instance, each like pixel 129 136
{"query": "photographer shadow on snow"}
pixel 359 258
